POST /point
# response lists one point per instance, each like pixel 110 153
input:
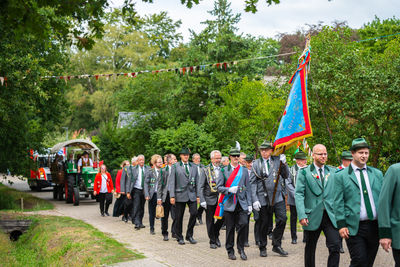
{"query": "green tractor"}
pixel 68 182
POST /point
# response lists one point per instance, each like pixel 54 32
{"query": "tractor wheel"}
pixel 55 192
pixel 75 196
pixel 60 192
pixel 69 189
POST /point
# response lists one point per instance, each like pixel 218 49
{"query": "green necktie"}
pixel 367 203
pixel 187 170
pixel 142 177
pixel 161 177
pixel 322 177
pixel 268 164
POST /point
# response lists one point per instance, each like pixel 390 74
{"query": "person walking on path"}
pixel 119 203
pixel 389 212
pixel 314 198
pixel 103 189
pixel 357 190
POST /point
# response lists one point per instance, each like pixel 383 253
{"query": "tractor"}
pixel 68 182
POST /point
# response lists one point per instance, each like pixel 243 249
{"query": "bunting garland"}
pixel 183 71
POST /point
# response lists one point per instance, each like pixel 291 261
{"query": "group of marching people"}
pixel 343 202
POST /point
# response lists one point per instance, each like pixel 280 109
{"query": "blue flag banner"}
pixel 295 123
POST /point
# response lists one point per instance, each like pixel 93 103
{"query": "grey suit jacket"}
pixel 181 186
pixel 205 193
pixel 162 188
pixel 257 187
pixel 243 195
pixel 291 184
pixel 125 176
pixel 130 179
pixel 151 181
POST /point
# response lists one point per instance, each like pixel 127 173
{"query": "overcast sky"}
pixel 288 16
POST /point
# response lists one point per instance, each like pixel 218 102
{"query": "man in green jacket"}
pixel 314 204
pixel 357 193
pixel 389 212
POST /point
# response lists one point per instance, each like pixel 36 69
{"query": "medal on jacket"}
pixel 211 179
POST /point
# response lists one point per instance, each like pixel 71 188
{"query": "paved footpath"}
pixel 169 253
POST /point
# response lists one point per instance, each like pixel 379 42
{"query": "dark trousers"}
pixel 247 230
pixel 138 206
pixel 396 257
pixel 164 220
pixel 235 220
pixel 179 212
pixel 128 207
pixel 266 213
pixel 119 206
pixel 364 245
pixel 200 213
pixel 293 222
pixel 152 204
pixel 213 226
pixel 104 198
pixel 257 225
pixel 332 243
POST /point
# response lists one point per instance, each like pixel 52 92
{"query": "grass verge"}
pixel 10 199
pixel 61 241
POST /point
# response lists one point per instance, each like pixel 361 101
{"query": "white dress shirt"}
pixel 363 210
pixel 138 184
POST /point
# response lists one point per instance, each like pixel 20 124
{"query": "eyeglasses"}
pixel 235 156
pixel 321 154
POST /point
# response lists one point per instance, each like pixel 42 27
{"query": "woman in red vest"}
pixel 103 188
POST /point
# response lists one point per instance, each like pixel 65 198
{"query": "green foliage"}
pixel 358 86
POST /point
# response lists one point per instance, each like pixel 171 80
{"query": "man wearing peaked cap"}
pixel 356 199
pixel 346 158
pixel 301 162
pixel 183 189
pixel 265 184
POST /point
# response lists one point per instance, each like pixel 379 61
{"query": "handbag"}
pixel 159 211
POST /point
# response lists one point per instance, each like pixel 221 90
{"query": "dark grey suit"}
pixel 208 176
pixel 291 190
pixel 184 187
pixel 263 185
pixel 136 193
pixel 235 208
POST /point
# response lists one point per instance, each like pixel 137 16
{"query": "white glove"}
pixel 257 205
pixel 233 189
pixel 282 157
pixel 203 204
pixel 250 208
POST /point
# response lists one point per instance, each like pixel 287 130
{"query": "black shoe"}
pixel 137 227
pixel 258 243
pixel 218 243
pixel 142 226
pixel 174 236
pixel 152 232
pixel 102 214
pixel 263 253
pixel 280 251
pixel 124 219
pixel 191 240
pixel 181 242
pixel 341 250
pixel 243 255
pixel 213 246
pixel 294 241
pixel 246 245
pixel 106 213
pixel 231 256
pixel 270 236
pixel 165 238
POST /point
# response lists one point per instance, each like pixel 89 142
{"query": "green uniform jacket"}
pixel 311 198
pixel 348 196
pixel 389 206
